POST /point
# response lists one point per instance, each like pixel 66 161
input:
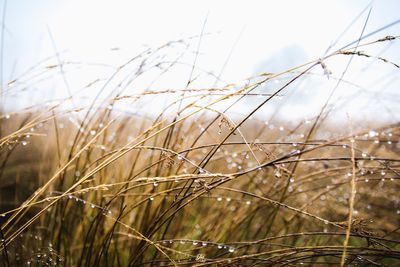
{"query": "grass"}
pixel 197 184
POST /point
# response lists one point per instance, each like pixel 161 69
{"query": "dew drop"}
pixel 297 151
pixel 372 133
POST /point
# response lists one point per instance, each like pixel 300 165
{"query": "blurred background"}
pixel 53 49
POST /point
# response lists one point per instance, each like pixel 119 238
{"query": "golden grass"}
pixel 91 186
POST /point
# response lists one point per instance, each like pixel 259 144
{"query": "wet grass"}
pixel 201 183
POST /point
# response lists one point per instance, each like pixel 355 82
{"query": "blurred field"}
pixel 197 184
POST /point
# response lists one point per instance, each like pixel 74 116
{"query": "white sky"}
pixel 89 28
pixel 86 30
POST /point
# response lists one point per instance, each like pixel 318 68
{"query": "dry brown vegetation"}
pixel 93 186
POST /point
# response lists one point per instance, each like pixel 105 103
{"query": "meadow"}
pixel 200 182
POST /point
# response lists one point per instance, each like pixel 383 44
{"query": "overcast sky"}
pixel 88 28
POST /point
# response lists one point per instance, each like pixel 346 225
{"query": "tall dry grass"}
pixel 94 186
